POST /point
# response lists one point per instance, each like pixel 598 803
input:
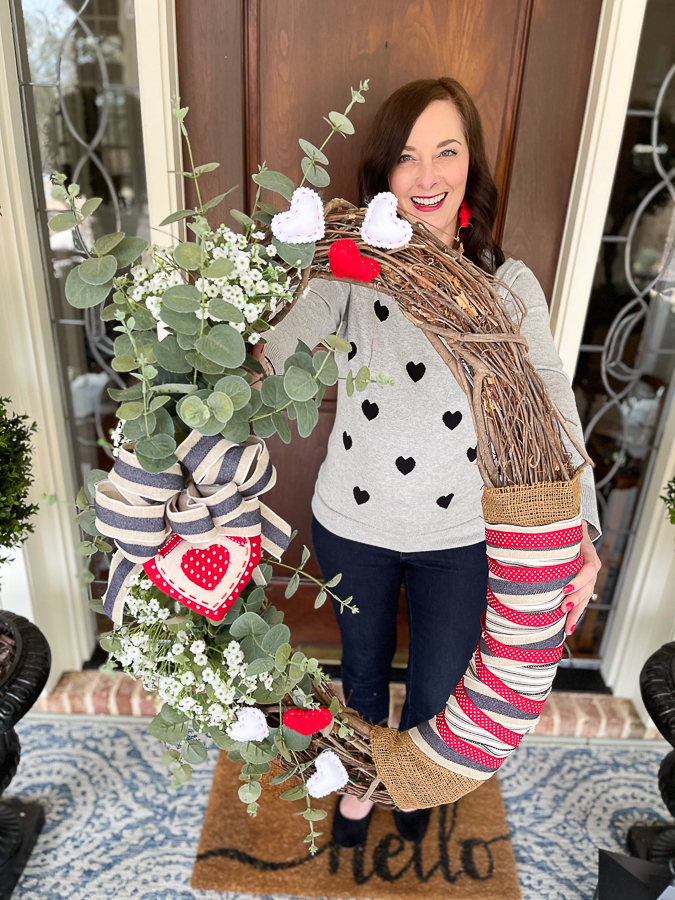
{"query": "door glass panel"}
pixel 78 75
pixel 624 376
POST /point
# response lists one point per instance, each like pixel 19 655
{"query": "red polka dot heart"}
pixel 206 568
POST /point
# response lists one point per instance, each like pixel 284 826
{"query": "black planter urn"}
pixel 25 661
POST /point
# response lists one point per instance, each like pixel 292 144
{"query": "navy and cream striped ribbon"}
pixel 139 509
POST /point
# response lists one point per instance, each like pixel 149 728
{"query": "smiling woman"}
pixel 426 145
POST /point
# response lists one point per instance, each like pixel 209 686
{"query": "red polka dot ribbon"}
pixel 536 574
pixel 534 707
pixel 520 655
pixel 518 618
pixel 543 540
pixel 468 750
pixel 478 717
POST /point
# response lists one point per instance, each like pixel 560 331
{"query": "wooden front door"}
pixel 259 74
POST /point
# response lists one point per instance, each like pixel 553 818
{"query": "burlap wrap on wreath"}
pixel 534 504
pixel 413 780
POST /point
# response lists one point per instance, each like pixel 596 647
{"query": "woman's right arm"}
pixel 315 314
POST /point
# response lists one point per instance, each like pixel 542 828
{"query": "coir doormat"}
pixel 466 854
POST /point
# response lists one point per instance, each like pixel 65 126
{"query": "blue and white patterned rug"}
pixel 113 831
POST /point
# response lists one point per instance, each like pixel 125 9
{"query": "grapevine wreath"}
pixel 194 544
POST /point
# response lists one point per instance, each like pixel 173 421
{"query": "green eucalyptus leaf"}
pixel 307 417
pixel 280 422
pixel 82 295
pixel 300 255
pixel 98 270
pixel 90 206
pixel 201 363
pixel 63 221
pixel 349 385
pixel 302 360
pixel 221 406
pixel 159 446
pixel 259 667
pixel 362 378
pixel 313 152
pixel 194 752
pixel 221 309
pixel 326 368
pixel 249 792
pixel 158 401
pixel 295 741
pixel 144 320
pixel 248 623
pixel 338 343
pixel 187 341
pixel 222 740
pixel 223 345
pixel 314 173
pixel 292 585
pixel 242 218
pixel 135 429
pixel 154 466
pixel 181 322
pixel 182 298
pixel 124 363
pixel 129 411
pixel 188 255
pixel 341 122
pixel 214 201
pixel 321 598
pixel 275 181
pixel 170 356
pixel 272 392
pixel 165 731
pixel 177 216
pixel 193 411
pixel 264 427
pixel 58 192
pixel 299 384
pixel 275 638
pixel 236 388
pixel 236 431
pixel 219 268
pixel 105 244
pixel 128 250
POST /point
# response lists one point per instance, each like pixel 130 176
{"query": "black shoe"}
pixel 412 826
pixel 350 832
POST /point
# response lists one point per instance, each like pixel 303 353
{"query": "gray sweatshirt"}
pixel 400 471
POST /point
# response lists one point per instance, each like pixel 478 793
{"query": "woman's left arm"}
pixel 536 328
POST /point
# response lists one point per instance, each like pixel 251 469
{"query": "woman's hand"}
pixel 578 592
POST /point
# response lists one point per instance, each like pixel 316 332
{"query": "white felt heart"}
pixel 382 227
pixel 303 222
pixel 330 775
pixel 251 725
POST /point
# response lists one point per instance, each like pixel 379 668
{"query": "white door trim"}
pixel 609 90
pixel 162 144
pixel 29 374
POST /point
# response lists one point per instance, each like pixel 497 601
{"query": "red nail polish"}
pixel 573 627
pixel 568 589
pixel 569 606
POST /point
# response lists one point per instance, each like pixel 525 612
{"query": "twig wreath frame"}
pixel 182 504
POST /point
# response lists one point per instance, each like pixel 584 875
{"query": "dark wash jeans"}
pixel 446 596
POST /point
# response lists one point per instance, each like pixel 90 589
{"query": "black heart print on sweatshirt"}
pixel 361 496
pixel 352 353
pixel 471 454
pixel 415 370
pixel 405 466
pixel 444 502
pixel 370 410
pixel 452 419
pixel 347 440
pixel 381 311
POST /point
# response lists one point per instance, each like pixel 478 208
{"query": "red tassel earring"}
pixel 464 215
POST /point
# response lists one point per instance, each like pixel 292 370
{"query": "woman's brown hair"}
pixel 388 135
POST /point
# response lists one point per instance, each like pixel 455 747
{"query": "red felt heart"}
pixel 307 721
pixel 346 262
pixel 206 568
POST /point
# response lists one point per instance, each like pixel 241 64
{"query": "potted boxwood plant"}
pixel 24 652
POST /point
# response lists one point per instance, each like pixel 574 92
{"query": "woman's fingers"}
pixel 580 589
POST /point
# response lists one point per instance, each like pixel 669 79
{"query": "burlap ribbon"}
pixel 139 510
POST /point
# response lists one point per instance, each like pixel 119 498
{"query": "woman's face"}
pixel 429 179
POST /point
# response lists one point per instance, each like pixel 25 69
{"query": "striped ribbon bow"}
pixel 140 510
